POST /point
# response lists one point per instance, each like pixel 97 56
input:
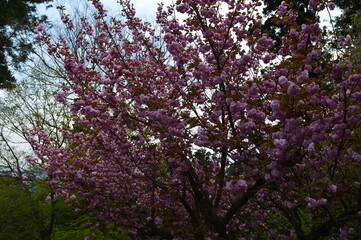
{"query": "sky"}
pixel 145 8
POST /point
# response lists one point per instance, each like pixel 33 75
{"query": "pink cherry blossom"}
pixel 200 128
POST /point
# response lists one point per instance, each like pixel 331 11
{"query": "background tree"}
pixel 304 14
pixel 17 19
pixel 22 216
pixel 345 22
pixel 214 134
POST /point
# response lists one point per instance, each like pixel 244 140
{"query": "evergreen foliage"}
pixel 17 19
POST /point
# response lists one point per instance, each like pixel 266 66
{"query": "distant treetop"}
pixel 16 21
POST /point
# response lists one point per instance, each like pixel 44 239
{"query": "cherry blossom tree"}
pixel 199 129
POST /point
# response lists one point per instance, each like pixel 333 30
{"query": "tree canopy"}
pixel 200 128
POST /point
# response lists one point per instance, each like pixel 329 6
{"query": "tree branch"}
pixel 240 202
